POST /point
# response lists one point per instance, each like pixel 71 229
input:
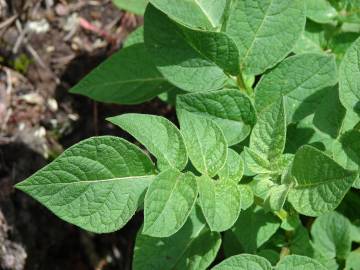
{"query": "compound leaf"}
pixel 331 234
pixel 230 109
pixel 321 183
pixel 126 82
pixel 168 202
pixel 96 184
pixel 349 78
pixel 193 247
pixel 204 14
pixel 296 262
pixel 206 144
pixel 265 31
pixel 161 137
pixel 234 167
pixel 220 202
pixel 244 261
pixel 297 81
pixel 196 60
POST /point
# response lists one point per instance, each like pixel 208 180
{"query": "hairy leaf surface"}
pixel 193 247
pixel 320 11
pixel 230 109
pixel 96 184
pixel 296 262
pixel 125 82
pixel 265 31
pixel 161 137
pixel 220 202
pixel 234 167
pixel 297 81
pixel 321 183
pixel 206 143
pixel 244 261
pixel 168 202
pixel 193 60
pixel 349 78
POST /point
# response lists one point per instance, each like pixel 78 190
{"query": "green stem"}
pixel 242 85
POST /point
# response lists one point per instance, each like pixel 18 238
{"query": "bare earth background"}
pixel 47 46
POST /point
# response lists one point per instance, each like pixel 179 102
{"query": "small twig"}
pixel 91 27
pixel 36 56
pixel 22 33
pixel 8 21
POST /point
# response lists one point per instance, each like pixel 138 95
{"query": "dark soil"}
pixel 38 119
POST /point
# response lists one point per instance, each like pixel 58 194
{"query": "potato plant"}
pixel 262 170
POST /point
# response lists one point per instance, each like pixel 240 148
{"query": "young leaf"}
pixel 136 6
pixel 193 247
pixel 120 80
pixel 296 262
pixel 331 235
pixel 204 14
pixel 265 31
pixel 255 163
pixel 206 144
pixel 196 59
pixel 234 167
pixel 320 11
pixel 321 183
pixel 220 202
pixel 96 184
pixel 254 227
pixel 158 135
pixel 297 81
pixel 269 134
pixel 168 202
pixel 230 109
pixel 349 78
pixel 247 196
pixel 244 261
pixel 277 197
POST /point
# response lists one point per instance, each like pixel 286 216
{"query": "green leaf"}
pixel 330 114
pixel 312 40
pixel 247 196
pixel 269 134
pixel 193 247
pixel 193 60
pixel 353 260
pixel 320 11
pixel 135 6
pixel 296 262
pixel 204 14
pixel 297 81
pixel 349 157
pixel 277 197
pixel 220 202
pixel 120 79
pixel 244 261
pixel 265 31
pixel 300 242
pixel 230 109
pixel 331 235
pixel 96 184
pixel 168 202
pixel 234 167
pixel 255 163
pixel 321 183
pixel 205 142
pixel 136 37
pixel 158 135
pixel 254 227
pixel 341 42
pixel 349 78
